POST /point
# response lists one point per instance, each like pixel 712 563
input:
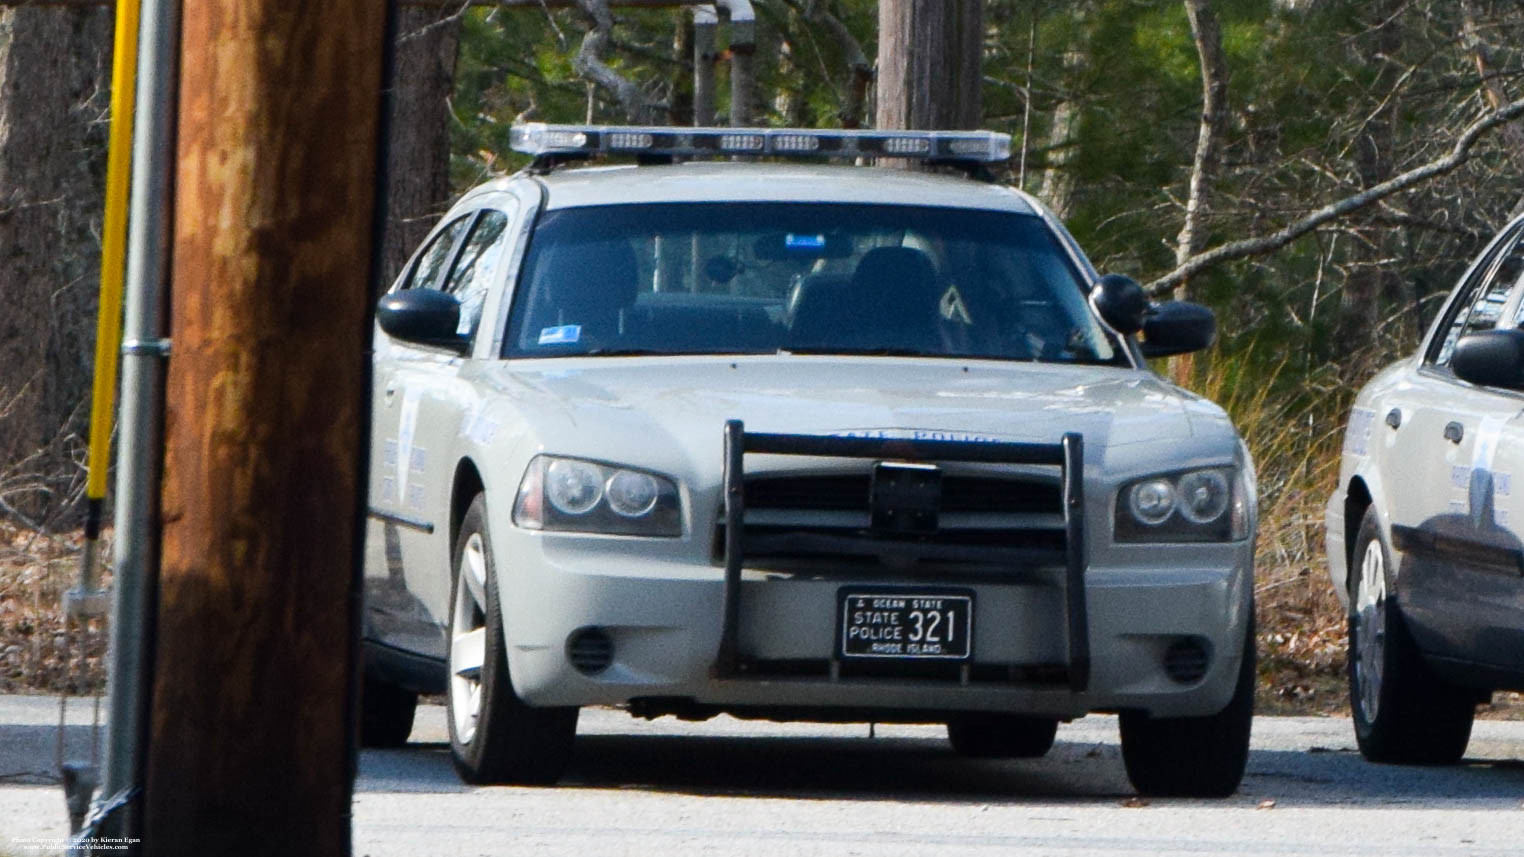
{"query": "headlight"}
pixel 570 494
pixel 573 487
pixel 1209 505
pixel 1203 496
pixel 1152 502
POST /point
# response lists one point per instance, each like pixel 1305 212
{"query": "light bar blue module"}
pixel 539 138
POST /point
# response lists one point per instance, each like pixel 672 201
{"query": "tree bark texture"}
pixel 930 55
pixel 252 704
pixel 1056 184
pixel 55 70
pixel 418 146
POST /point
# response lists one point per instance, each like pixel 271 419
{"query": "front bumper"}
pixel 663 617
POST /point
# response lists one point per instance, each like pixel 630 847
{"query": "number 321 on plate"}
pixel 906 624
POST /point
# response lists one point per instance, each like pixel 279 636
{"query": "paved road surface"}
pixel 733 788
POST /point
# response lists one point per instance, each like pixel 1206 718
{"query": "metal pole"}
pixel 705 22
pixel 137 482
pixel 743 48
pixel 87 600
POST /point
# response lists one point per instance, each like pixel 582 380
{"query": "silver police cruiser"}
pixel 718 431
pixel 1424 528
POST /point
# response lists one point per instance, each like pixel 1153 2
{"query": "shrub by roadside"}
pixel 37 652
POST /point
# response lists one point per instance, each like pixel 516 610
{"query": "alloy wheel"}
pixel 1370 629
pixel 468 638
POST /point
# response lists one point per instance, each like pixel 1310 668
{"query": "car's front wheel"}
pixel 1001 736
pixel 494 736
pixel 1403 712
pixel 1193 756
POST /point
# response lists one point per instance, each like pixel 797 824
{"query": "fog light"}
pixel 590 650
pixel 1186 659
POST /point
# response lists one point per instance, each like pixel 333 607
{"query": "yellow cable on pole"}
pixel 88 599
pixel 108 331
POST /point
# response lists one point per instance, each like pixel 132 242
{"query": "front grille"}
pixel 849 492
pixel 825 519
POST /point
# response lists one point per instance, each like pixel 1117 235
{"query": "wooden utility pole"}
pixel 251 736
pixel 930 60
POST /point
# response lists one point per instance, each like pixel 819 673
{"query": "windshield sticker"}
pixel 564 334
pixel 804 242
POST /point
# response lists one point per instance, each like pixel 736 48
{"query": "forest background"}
pixel 1318 171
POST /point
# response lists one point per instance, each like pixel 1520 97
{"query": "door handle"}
pixel 1394 418
pixel 1454 432
pixel 391 392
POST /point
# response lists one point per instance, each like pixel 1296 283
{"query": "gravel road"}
pixel 729 787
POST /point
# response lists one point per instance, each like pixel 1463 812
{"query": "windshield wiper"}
pixel 658 352
pixel 875 352
pixel 619 352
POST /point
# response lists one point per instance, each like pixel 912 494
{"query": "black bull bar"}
pixel 1068 454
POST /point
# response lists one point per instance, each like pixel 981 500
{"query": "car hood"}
pixel 606 402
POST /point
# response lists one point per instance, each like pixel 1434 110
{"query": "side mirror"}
pixel 1492 358
pixel 423 317
pixel 1120 302
pixel 1178 327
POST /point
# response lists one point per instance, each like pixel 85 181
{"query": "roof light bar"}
pixel 541 139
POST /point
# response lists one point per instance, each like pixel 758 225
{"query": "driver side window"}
pixel 1484 298
pixel 433 263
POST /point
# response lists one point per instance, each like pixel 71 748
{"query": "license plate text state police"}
pixel 909 625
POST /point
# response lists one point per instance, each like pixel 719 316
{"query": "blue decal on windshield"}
pixel 562 335
pixel 804 242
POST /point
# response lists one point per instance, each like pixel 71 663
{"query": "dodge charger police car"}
pixel 732 430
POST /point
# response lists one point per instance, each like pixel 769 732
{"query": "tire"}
pixel 495 737
pixel 1001 736
pixel 1193 756
pixel 1403 712
pixel 386 714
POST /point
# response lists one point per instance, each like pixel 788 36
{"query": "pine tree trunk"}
pixel 930 55
pixel 418 155
pixel 54 97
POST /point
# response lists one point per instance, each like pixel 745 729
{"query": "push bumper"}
pixel 663 623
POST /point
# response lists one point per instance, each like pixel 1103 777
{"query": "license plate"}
pixel 906 624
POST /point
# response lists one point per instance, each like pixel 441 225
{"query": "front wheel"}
pixel 494 736
pixel 1404 713
pixel 1193 756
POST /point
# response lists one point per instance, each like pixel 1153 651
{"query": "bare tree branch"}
pixel 589 64
pixel 1459 154
pixel 1214 92
pixel 859 67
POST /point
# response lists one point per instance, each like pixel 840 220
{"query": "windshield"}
pixel 734 278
